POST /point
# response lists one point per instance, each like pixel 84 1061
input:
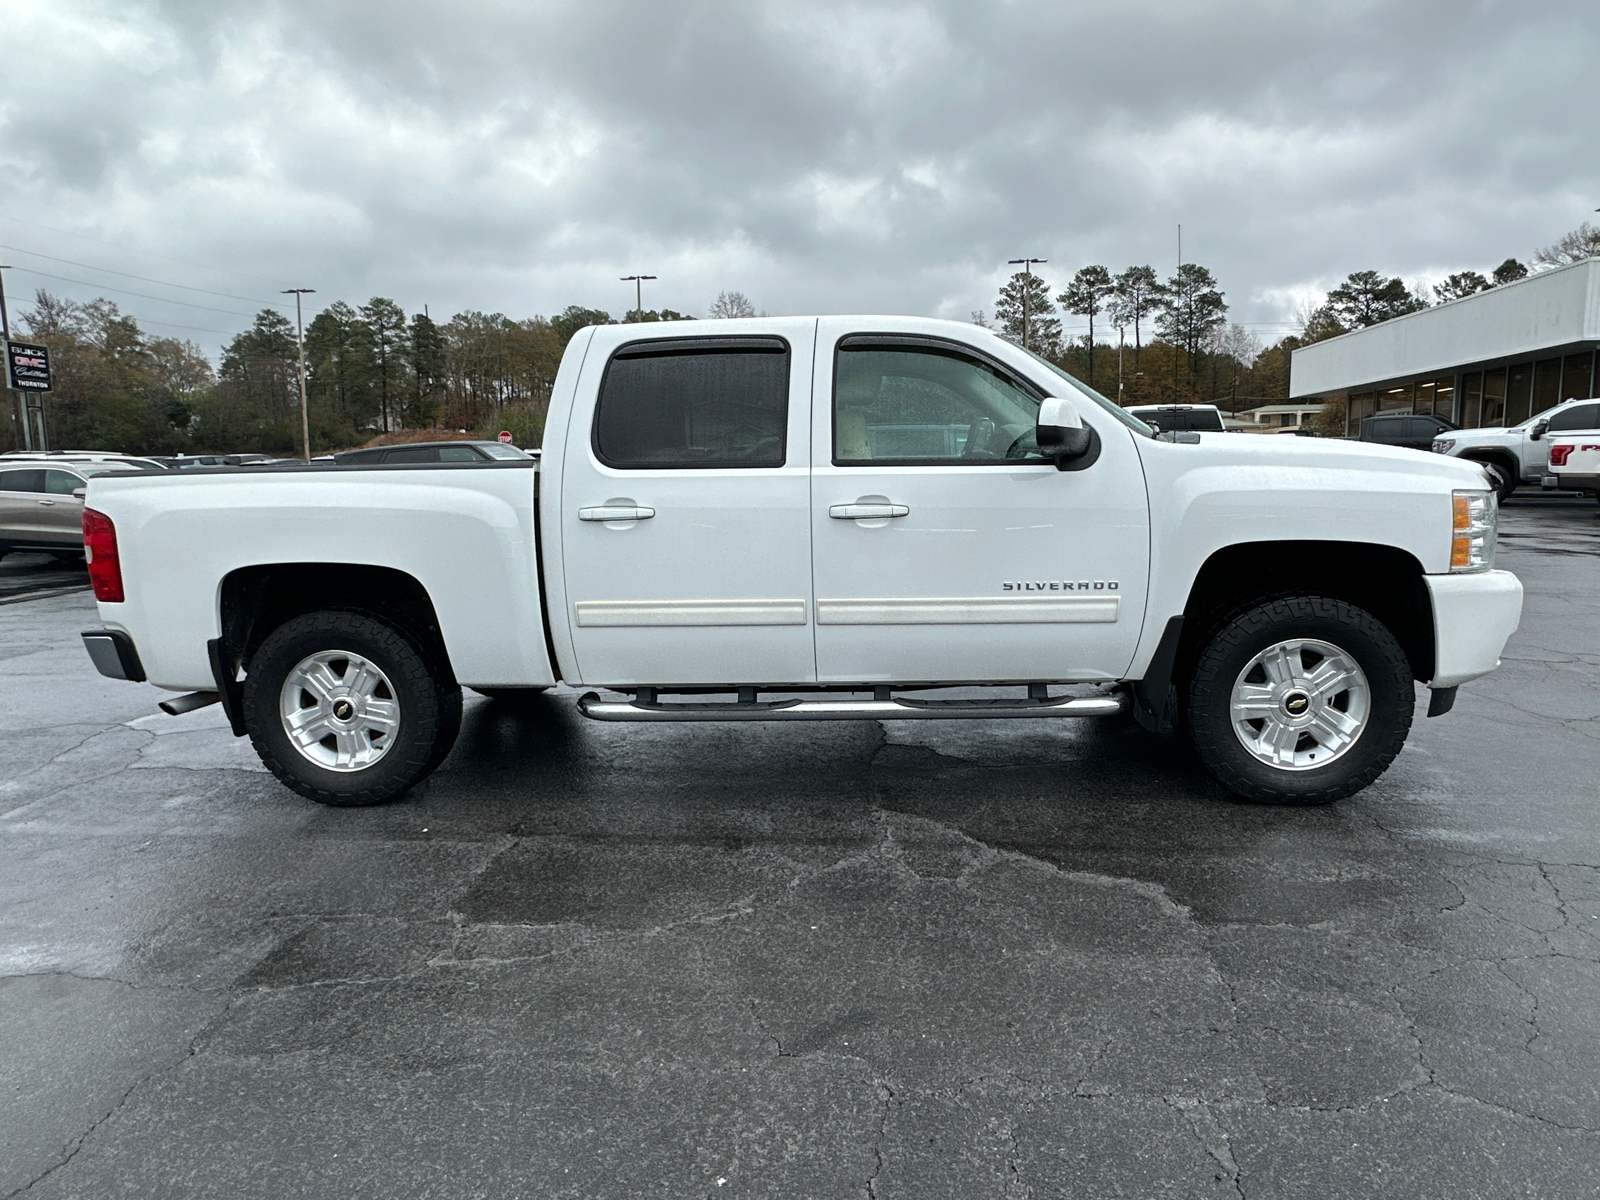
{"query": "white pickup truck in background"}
pixel 817 519
pixel 1574 461
pixel 1519 454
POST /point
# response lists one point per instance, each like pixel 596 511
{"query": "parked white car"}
pixel 819 519
pixel 1519 454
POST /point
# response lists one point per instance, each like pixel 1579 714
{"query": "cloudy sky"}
pixel 820 157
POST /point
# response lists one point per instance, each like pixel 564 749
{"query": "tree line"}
pixel 373 370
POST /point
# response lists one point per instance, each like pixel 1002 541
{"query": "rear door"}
pixel 946 548
pixel 60 512
pixel 685 530
pixel 21 489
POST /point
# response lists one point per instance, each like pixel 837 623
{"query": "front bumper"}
pixel 113 654
pixel 1473 617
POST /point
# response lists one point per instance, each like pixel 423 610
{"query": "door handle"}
pixel 46 503
pixel 867 512
pixel 615 512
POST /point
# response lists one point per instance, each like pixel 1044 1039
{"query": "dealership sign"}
pixel 27 367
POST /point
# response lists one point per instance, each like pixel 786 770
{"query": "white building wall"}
pixel 1528 317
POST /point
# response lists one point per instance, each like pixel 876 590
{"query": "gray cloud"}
pixel 820 157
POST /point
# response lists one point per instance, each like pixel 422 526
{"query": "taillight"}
pixel 1558 455
pixel 100 548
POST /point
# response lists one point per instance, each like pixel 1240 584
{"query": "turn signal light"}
pixel 1473 518
pixel 100 549
pixel 1558 455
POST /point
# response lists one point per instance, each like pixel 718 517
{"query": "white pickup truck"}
pixel 1518 455
pixel 1574 461
pixel 817 519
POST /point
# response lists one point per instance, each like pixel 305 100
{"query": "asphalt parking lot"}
pixel 913 960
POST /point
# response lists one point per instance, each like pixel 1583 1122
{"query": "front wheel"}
pixel 345 708
pixel 1300 700
pixel 1503 479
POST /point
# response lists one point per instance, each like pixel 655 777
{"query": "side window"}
pixel 61 483
pixel 694 402
pixel 897 402
pixel 1579 416
pixel 413 454
pixel 459 454
pixel 21 481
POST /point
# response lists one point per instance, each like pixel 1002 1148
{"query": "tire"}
pixel 1364 696
pixel 334 655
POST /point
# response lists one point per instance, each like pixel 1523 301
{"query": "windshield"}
pixel 1116 410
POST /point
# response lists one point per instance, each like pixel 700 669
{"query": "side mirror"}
pixel 1539 429
pixel 1062 434
pixel 1155 425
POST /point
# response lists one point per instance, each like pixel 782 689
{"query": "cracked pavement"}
pixel 1003 959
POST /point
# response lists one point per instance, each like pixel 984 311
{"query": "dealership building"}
pixel 1495 358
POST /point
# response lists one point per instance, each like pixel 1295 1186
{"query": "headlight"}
pixel 1443 445
pixel 1474 516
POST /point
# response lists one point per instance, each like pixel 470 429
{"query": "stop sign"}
pixel 505 435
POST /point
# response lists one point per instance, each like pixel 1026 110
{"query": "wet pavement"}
pixel 26 576
pixel 913 960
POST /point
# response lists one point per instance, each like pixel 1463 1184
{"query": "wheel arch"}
pixel 1384 580
pixel 256 600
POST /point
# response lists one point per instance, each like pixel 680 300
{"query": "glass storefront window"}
pixel 1395 399
pixel 1577 377
pixel 1472 400
pixel 1494 397
pixel 1359 406
pixel 1424 396
pixel 1519 393
pixel 1546 385
pixel 1444 398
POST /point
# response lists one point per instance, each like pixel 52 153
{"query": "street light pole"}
pixel 300 340
pixel 1026 264
pixel 638 292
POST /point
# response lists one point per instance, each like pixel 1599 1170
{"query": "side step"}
pixel 592 706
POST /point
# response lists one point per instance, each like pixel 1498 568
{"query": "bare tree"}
pixel 731 304
pixel 1581 243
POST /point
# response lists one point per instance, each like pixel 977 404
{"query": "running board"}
pixel 592 706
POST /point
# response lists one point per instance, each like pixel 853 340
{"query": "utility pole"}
pixel 1122 335
pixel 300 340
pixel 1180 245
pixel 20 413
pixel 1027 269
pixel 638 292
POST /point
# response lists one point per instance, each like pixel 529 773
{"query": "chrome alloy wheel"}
pixel 1300 704
pixel 339 711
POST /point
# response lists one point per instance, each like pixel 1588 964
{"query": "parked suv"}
pixel 1519 454
pixel 1404 429
pixel 1180 418
pixel 38 508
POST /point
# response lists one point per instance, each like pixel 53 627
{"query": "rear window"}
pixel 1579 416
pixel 1200 420
pixel 412 454
pixel 694 402
pixel 459 454
pixel 497 450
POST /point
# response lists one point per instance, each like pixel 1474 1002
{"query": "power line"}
pixel 132 250
pixel 142 278
pixel 126 292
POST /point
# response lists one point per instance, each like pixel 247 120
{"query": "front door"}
pixel 685 498
pixel 946 549
pixel 60 512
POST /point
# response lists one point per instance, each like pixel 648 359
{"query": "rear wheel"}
pixel 1300 700
pixel 346 709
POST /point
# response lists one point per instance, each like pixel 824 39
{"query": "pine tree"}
pixel 384 324
pixel 1365 298
pixel 1136 296
pixel 1085 296
pixel 1024 303
pixel 1191 310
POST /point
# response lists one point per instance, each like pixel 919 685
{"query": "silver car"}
pixel 38 510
